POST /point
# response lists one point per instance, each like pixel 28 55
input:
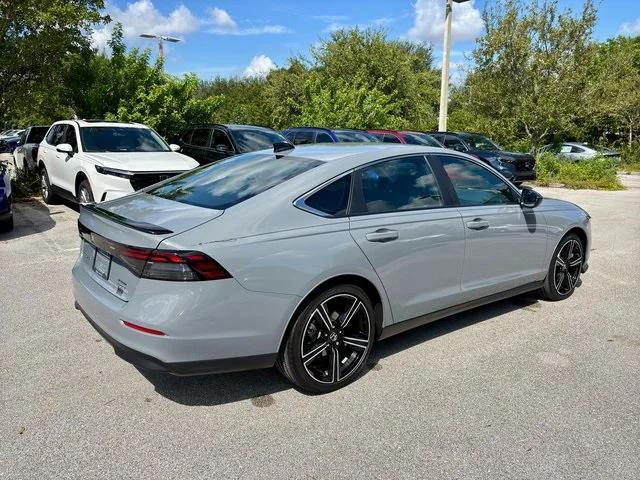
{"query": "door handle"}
pixel 382 235
pixel 478 224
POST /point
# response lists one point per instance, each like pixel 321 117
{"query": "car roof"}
pixel 355 154
pixel 101 123
pixel 230 126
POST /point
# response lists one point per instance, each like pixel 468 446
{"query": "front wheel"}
pixel 45 187
pixel 565 269
pixel 84 193
pixel 330 341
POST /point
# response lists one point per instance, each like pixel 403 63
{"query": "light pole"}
pixel 444 83
pixel 161 38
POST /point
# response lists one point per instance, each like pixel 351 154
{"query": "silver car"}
pixel 581 151
pixel 303 258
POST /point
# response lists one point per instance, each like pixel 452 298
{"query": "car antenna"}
pixel 280 147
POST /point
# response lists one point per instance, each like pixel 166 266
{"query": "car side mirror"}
pixel 223 149
pixel 174 147
pixel 64 148
pixel 529 198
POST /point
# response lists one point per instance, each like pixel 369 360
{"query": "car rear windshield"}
pixel 480 142
pixel 229 182
pixel 421 139
pixel 250 140
pixel 121 139
pixel 350 136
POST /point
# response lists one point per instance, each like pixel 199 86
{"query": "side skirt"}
pixel 66 194
pixel 405 325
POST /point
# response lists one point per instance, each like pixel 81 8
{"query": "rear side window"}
pixel 476 185
pixel 224 184
pixel 200 137
pixel 405 183
pixel 304 137
pixel 388 138
pixel 332 199
pixel 323 137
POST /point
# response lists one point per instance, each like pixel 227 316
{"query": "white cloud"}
pixel 143 17
pixel 259 66
pixel 630 29
pixel 223 24
pixel 100 38
pixel 222 20
pixel 466 23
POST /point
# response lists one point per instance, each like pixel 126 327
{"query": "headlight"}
pixel 113 172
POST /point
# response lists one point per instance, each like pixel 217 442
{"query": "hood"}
pixel 143 161
pixel 156 211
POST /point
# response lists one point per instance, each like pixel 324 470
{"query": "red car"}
pixel 408 137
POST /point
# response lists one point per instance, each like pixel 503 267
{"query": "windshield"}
pixel 354 136
pixel 251 140
pixel 121 139
pixel 421 139
pixel 480 142
pixel 229 182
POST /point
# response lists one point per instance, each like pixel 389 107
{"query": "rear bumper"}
pixel 147 362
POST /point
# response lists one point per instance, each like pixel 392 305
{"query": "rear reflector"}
pixel 150 331
pixel 177 266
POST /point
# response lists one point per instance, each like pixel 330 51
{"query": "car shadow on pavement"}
pixel 30 217
pixel 258 385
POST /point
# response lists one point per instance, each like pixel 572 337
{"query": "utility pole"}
pixel 444 82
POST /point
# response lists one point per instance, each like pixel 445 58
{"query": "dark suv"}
pixel 209 143
pixel 515 166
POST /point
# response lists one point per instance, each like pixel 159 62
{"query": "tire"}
pixel 84 194
pixel 564 269
pixel 6 225
pixel 337 327
pixel 45 187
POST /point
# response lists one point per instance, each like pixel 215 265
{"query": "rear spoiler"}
pixel 136 225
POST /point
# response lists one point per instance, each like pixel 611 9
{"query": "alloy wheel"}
pixel 83 196
pixel 567 267
pixel 44 187
pixel 336 338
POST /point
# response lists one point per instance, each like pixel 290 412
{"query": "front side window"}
pixel 399 184
pixel 476 185
pixel 70 137
pixel 54 137
pixel 421 139
pixel 220 139
pixel 331 199
pixel 121 139
pixel 200 137
pixel 323 137
pixel 453 143
pixel 354 136
pixel 480 142
pixel 252 140
pixel 304 137
pixel 229 182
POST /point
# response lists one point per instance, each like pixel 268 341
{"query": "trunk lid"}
pixel 139 220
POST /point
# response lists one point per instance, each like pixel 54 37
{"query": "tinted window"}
pixel 421 139
pixel 388 138
pixel 333 198
pixel 186 136
pixel 475 185
pixel 453 143
pixel 226 183
pixel 200 137
pixel 55 134
pixel 121 139
pixel 323 137
pixel 70 137
pixel 221 139
pixel 36 134
pixel 480 142
pixel 303 137
pixel 251 140
pixel 354 136
pixel 378 136
pixel 399 184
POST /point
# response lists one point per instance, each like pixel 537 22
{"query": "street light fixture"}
pixel 444 85
pixel 161 38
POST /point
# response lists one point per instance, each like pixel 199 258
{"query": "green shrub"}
pixel 599 173
pixel 630 157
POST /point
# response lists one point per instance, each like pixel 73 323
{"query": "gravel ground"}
pixel 517 389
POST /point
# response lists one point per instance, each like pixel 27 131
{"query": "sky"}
pixel 249 37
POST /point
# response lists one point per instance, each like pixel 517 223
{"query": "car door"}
pixel 53 158
pixel 410 233
pixel 221 146
pixel 505 243
pixel 70 164
pixel 199 146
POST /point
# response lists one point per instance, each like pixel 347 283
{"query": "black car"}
pixel 209 143
pixel 517 167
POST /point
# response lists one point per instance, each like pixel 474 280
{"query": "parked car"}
pixel 304 257
pixel 6 210
pixel 518 167
pixel 212 142
pixel 9 144
pixel 580 151
pixel 25 155
pixel 305 135
pixel 13 132
pixel 406 137
pixel 94 160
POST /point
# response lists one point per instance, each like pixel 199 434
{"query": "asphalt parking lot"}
pixel 517 389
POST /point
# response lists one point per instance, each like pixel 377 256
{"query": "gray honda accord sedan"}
pixel 304 257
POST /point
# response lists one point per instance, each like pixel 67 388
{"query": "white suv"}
pixel 88 161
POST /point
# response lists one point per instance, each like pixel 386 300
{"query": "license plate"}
pixel 102 264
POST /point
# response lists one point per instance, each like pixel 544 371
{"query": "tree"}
pixel 531 68
pixel 36 36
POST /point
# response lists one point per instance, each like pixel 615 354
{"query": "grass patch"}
pixel 598 174
pixel 630 158
pixel 25 185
